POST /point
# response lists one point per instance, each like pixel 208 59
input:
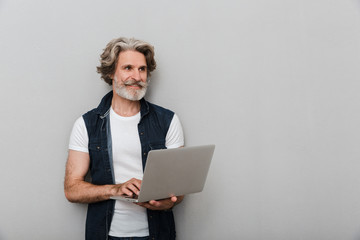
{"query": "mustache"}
pixel 133 82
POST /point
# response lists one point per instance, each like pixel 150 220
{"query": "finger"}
pixel 146 205
pixel 133 188
pixel 136 182
pixel 174 199
pixel 127 192
pixel 129 189
pixel 154 203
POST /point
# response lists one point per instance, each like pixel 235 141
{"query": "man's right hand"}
pixel 128 188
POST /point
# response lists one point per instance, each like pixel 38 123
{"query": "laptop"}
pixel 173 172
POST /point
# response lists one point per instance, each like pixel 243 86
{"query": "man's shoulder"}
pixel 158 116
pixel 159 109
pixel 102 108
pixel 91 113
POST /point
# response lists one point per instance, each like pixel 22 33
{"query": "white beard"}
pixel 122 90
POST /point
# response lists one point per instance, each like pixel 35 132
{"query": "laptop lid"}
pixel 174 172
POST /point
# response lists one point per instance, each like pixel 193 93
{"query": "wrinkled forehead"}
pixel 131 57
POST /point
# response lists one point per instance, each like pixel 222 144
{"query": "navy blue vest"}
pixel 153 127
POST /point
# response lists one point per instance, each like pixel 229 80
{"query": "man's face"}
pixel 130 75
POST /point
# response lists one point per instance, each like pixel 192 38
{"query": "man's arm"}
pixel 78 190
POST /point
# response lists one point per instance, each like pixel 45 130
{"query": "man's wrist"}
pixel 112 190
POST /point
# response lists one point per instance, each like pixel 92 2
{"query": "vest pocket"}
pixel 96 147
pixel 97 153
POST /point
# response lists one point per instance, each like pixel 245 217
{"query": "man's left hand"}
pixel 163 204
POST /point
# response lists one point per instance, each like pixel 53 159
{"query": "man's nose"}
pixel 136 74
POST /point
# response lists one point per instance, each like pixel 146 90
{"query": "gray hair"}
pixel 110 56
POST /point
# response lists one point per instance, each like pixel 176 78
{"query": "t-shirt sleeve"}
pixel 79 137
pixel 175 135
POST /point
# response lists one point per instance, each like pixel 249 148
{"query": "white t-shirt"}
pixel 129 219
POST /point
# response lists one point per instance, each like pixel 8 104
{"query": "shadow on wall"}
pixel 356 237
pixel 358 3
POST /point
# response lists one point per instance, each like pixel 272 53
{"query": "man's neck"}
pixel 124 107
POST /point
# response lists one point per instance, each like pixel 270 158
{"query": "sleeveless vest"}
pixel 152 128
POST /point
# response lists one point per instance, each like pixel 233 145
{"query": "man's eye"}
pixel 143 69
pixel 127 68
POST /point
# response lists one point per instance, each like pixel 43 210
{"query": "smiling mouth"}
pixel 133 85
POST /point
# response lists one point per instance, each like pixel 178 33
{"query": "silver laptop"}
pixel 173 172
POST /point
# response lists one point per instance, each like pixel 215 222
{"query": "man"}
pixel 112 142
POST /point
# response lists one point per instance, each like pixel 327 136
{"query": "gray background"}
pixel 274 84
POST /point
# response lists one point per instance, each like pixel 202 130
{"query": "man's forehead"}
pixel 131 55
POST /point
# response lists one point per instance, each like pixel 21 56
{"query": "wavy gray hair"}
pixel 110 56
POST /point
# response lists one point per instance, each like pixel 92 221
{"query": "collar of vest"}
pixel 104 107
